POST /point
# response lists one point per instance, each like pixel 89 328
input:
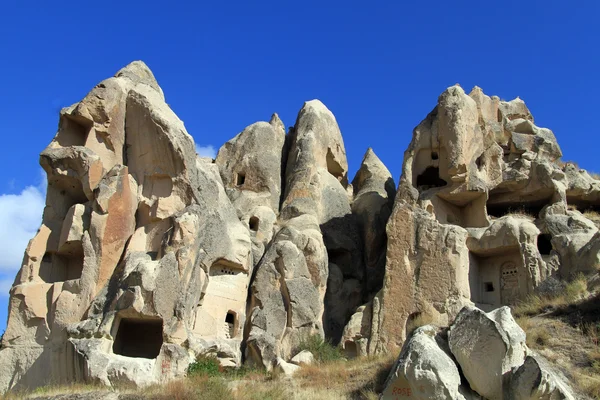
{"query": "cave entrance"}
pixel 497 278
pixel 430 178
pixel 137 337
pixel 350 349
pixel 584 206
pixel 61 267
pixel 253 224
pixel 498 208
pixel 544 244
pixel 240 178
pixel 230 324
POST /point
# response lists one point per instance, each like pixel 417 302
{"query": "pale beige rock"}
pixel 373 201
pixel 286 368
pixel 536 380
pixel 487 347
pixel 305 357
pixel 425 370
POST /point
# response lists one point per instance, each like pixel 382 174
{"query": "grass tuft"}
pixel 322 350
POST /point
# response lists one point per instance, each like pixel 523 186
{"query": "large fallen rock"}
pixel 487 347
pixel 536 380
pixel 425 370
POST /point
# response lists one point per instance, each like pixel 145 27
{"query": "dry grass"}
pixel 53 390
pixel 565 328
pixel 360 378
pixel 568 348
pixel 575 290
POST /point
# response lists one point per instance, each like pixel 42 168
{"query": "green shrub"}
pixel 322 350
pixel 204 365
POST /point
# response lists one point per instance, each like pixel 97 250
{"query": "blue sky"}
pixel 379 66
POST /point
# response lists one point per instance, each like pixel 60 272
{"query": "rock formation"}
pixel 149 255
pixel 484 214
pixel 490 351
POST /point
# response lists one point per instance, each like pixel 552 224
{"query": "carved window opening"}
pixel 230 324
pixel 240 178
pixel 480 162
pixel 544 244
pixel 140 338
pixel 434 155
pixel 253 224
pixel 488 287
pixel 62 267
pixel 430 178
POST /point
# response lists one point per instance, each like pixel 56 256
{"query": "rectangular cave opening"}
pixel 527 208
pixel 139 337
pixel 230 324
pixel 240 178
pixel 72 131
pixel 61 267
pixel 544 244
pixel 430 178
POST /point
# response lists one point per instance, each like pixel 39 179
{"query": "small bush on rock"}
pixel 204 365
pixel 321 349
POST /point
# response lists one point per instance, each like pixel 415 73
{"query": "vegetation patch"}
pixel 322 350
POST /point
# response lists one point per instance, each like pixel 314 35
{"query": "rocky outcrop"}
pixel 487 349
pixel 482 214
pixel 149 255
pixel 137 237
pixel 308 281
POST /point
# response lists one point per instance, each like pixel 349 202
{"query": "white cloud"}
pixel 20 218
pixel 206 151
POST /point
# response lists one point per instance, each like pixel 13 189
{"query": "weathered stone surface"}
pixel 305 357
pixel 425 370
pixel 487 347
pixel 478 213
pixel 427 273
pixel 374 195
pixel 288 296
pixel 535 380
pixel 138 236
pixel 250 165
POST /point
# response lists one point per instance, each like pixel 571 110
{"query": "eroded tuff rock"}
pixel 149 255
pixel 484 214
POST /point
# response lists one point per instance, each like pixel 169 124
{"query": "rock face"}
pixel 488 349
pixel 484 215
pixel 149 255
